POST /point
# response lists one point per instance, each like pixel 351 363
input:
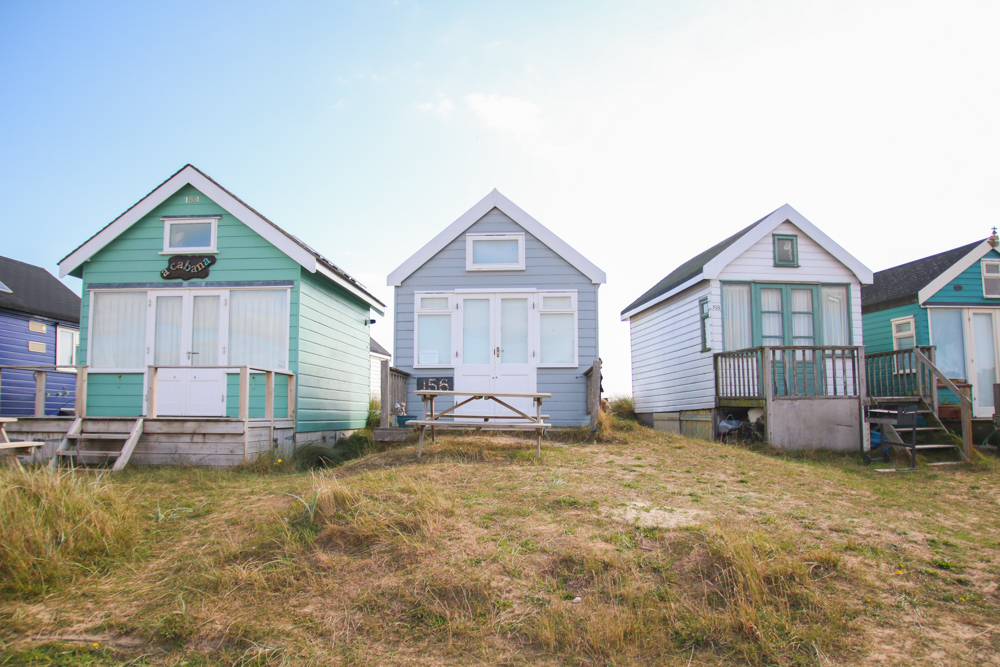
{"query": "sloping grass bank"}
pixel 641 548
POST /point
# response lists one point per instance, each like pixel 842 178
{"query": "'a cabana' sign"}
pixel 186 267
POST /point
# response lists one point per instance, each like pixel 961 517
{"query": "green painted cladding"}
pixel 967 288
pixel 333 375
pixel 878 327
pixel 328 337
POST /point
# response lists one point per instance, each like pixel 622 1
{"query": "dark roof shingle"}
pixel 35 291
pixel 689 269
pixel 902 283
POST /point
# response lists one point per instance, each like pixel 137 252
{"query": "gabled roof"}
pixel 710 263
pixel 920 279
pixel 35 291
pixel 306 256
pixel 378 349
pixel 496 200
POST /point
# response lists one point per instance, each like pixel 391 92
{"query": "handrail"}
pixel 966 403
pixel 789 371
pixel 244 389
pixel 41 373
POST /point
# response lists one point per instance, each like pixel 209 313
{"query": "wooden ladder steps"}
pixel 99 436
pixel 86 452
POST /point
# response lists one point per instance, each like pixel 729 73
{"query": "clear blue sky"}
pixel 640 132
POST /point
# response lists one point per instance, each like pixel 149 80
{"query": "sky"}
pixel 641 133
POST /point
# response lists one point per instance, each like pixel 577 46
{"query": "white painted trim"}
pixel 448 310
pixel 911 334
pixel 952 272
pixel 188 176
pixel 983 263
pixel 713 268
pixel 211 248
pixel 663 297
pixel 574 310
pixel 495 200
pixel 376 355
pixel 470 241
pixel 353 289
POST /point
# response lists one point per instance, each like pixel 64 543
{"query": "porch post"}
pixel 40 393
pixel 291 398
pixel 765 362
pixel 594 399
pixel 80 393
pixel 967 422
pixel 269 395
pixel 244 393
pixel 385 399
pixel 150 392
pixel 862 380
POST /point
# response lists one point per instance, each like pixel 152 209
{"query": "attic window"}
pixel 4 288
pixel 189 234
pixel 991 278
pixel 494 252
pixel 786 250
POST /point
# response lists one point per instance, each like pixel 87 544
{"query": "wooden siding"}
pixel 878 327
pixel 669 370
pixel 17 388
pixel 134 257
pixel 544 269
pixel 334 372
pixel 969 286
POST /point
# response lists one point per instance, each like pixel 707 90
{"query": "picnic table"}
pixel 14 449
pixel 512 419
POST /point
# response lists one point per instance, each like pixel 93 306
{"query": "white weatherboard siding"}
pixel 544 270
pixel 375 386
pixel 669 370
pixel 816 265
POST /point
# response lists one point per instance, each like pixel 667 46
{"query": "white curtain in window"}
pixel 802 317
pixel 118 330
pixel 558 339
pixel 205 331
pixel 736 320
pixel 836 318
pixel 258 328
pixel 947 334
pixel 167 335
pixel 433 339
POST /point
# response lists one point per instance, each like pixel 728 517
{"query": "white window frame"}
pixel 211 248
pixel 573 308
pixel 76 346
pixel 470 239
pixel 982 271
pixel 418 311
pixel 911 334
pixel 90 334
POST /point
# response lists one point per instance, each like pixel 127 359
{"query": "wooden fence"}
pixel 394 383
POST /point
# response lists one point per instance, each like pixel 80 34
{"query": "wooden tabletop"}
pixel 498 394
pixel 7 420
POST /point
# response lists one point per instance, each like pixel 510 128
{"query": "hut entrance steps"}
pixel 92 443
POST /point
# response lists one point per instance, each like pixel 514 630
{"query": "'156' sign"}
pixel 434 384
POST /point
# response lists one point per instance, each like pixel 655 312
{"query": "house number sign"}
pixel 434 384
pixel 186 267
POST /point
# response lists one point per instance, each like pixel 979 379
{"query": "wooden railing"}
pixel 244 392
pixel 41 374
pixel 963 394
pixel 593 375
pixel 901 373
pixel 394 383
pixel 815 371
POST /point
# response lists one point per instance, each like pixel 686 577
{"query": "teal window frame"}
pixel 703 315
pixel 787 314
pixel 775 239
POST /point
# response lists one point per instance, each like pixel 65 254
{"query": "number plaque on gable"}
pixel 186 267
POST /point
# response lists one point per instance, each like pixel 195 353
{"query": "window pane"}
pixel 736 331
pixel 770 299
pixel 495 251
pixel 433 339
pixel 513 331
pixel 119 330
pixel 190 234
pixel 946 328
pixel 991 268
pixel 802 326
pixel 557 302
pixel 205 331
pixel 772 326
pixel 66 347
pixel 904 343
pixel 986 362
pixel 784 251
pixel 836 319
pixel 991 286
pixel 557 338
pixel 167 343
pixel 258 328
pixel 903 327
pixel 437 302
pixel 802 301
pixel 476 331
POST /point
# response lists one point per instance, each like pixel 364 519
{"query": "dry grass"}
pixel 681 552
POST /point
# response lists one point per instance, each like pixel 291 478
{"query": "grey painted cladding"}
pixel 544 270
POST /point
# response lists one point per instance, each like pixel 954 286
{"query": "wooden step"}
pixel 920 428
pixel 99 436
pixel 86 452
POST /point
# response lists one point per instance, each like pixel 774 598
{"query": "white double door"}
pixel 496 351
pixel 188 331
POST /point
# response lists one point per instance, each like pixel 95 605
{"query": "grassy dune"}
pixel 640 548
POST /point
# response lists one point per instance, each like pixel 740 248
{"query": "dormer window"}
pixel 786 250
pixel 991 278
pixel 494 252
pixel 188 235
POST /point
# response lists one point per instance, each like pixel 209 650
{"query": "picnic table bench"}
pixel 14 449
pixel 512 420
